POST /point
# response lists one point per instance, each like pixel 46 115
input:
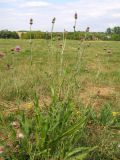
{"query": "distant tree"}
pixel 116 30
pixel 5 34
pixel 116 37
pixel 109 31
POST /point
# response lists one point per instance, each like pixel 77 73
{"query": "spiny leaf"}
pixel 79 153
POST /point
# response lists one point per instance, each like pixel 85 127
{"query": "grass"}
pixel 20 82
pixel 75 115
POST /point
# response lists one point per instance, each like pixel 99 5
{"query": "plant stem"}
pixel 31 57
pixel 62 52
pixel 52 37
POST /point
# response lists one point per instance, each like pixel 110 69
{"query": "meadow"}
pixel 60 100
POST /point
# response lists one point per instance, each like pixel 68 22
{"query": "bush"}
pixel 5 34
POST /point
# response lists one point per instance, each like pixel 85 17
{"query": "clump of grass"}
pixel 102 131
pixel 49 134
pixel 59 132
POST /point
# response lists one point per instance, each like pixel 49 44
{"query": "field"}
pixel 84 76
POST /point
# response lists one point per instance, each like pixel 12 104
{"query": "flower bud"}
pixel 31 21
pixel 76 16
pixel 88 29
pixel 54 19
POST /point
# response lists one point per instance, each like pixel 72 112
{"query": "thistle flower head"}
pixel 76 16
pixel 87 29
pixel 15 125
pixel 31 21
pixel 54 19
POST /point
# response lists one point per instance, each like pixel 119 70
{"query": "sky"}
pixel 97 14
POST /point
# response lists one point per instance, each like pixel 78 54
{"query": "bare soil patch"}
pixel 97 95
pixel 2 54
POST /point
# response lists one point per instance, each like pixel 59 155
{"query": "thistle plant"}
pixel 76 17
pixel 86 32
pixel 82 48
pixel 53 24
pixel 61 75
pixel 31 23
pixel 62 52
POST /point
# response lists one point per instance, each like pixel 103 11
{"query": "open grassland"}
pixel 77 86
pixel 98 71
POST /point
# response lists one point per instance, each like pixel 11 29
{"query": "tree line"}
pixel 5 34
pixel 114 33
pixel 78 35
pixel 110 34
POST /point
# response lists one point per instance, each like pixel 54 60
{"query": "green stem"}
pixel 31 56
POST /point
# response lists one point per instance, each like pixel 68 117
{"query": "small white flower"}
pixel 15 124
pixel 118 145
pixel 20 135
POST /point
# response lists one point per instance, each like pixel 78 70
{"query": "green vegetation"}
pixel 111 34
pixel 115 30
pixel 65 105
pixel 5 34
pixel 78 35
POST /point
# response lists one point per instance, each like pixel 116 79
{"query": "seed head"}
pixel 31 21
pixel 15 125
pixel 109 51
pixel 88 29
pixel 54 19
pixel 76 16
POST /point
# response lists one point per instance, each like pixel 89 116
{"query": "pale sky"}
pixel 97 14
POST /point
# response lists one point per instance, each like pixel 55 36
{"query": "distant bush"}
pixel 5 34
pixel 110 34
pixel 114 33
pixel 115 37
pixel 115 30
pixel 69 35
